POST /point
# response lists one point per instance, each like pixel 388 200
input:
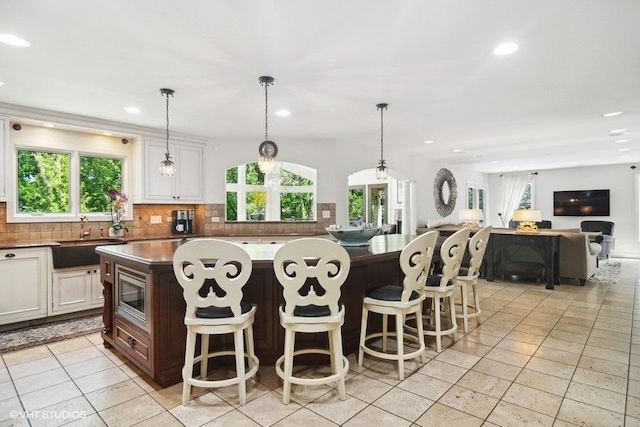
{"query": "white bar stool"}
pixel 400 301
pixel 196 265
pixel 321 265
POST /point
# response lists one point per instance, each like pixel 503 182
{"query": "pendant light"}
pixel 167 167
pixel 381 171
pixel 268 149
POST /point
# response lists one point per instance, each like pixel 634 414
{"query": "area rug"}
pixel 32 336
pixel 607 273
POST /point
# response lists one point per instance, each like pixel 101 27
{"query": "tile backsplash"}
pixel 141 226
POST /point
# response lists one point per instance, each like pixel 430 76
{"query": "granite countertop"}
pixel 157 253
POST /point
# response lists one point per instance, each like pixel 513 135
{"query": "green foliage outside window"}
pixel 232 206
pixel 525 202
pixel 356 204
pixel 98 175
pixel 43 182
pixel 256 205
pixel 232 175
pixel 296 206
pixel 253 176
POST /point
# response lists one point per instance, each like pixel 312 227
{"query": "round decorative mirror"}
pixel 445 192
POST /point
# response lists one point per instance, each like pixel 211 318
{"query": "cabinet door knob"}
pixel 10 255
pixel 131 341
pixel 89 272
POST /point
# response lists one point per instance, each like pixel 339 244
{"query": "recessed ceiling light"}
pixel 458 151
pixel 12 40
pixel 1 83
pixel 494 161
pixel 624 149
pixel 620 141
pixel 132 110
pixel 477 156
pixel 107 133
pixel 429 141
pixel 625 157
pixel 49 125
pixel 612 114
pixel 618 132
pixel 283 113
pixel 505 49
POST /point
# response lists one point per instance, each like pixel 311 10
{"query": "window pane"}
pixel 470 194
pixel 525 202
pixel 253 176
pixel 296 206
pixel 43 182
pixel 256 205
pixel 378 196
pixel 232 175
pixel 292 179
pixel 356 204
pixel 481 199
pixel 232 206
pixel 98 175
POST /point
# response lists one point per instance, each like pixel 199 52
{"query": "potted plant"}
pixel 118 205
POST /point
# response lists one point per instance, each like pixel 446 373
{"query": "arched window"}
pixel 288 194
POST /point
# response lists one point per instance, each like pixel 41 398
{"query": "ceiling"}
pixel 334 60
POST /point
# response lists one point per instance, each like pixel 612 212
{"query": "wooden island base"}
pixel 156 342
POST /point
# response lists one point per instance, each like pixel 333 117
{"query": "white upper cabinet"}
pixel 186 186
pixel 4 142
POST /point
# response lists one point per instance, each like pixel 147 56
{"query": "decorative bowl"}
pixel 353 236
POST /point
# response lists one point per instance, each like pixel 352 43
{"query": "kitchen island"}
pixel 144 309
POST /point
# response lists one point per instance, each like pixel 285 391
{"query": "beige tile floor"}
pixel 565 357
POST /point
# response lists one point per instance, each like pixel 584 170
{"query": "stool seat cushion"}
pixel 389 293
pixel 312 311
pixel 221 312
pixel 435 281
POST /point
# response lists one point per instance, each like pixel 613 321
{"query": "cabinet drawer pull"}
pixel 131 341
pixel 10 255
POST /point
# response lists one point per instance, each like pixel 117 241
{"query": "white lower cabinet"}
pixel 23 284
pixel 76 289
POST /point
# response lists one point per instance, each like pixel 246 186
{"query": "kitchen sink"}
pixel 79 252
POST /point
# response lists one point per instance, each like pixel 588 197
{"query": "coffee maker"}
pixel 183 222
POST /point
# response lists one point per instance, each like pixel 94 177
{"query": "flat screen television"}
pixel 581 203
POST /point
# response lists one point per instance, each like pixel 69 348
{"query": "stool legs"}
pixel 289 341
pixel 363 335
pixel 187 369
pixel 335 347
pixel 238 338
pixel 204 351
pixel 465 311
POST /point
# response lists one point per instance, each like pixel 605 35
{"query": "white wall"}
pixel 424 173
pixel 619 179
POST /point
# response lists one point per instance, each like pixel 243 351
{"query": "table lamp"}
pixel 471 218
pixel 527 219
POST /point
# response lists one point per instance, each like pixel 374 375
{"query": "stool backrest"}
pixel 415 262
pixel 311 258
pixel 226 263
pixel 477 248
pixel 451 254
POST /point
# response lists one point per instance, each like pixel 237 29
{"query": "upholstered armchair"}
pixel 578 256
pixel 604 227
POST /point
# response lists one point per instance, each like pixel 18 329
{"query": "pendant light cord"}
pixel 382 107
pixel 266 110
pixel 167 94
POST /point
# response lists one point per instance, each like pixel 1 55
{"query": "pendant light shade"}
pixel 167 167
pixel 382 172
pixel 268 149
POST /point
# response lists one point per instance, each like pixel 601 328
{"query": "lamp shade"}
pixel 471 214
pixel 530 215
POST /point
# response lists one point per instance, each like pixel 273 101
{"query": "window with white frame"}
pixel 59 176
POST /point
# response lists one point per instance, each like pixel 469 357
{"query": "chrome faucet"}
pixel 83 233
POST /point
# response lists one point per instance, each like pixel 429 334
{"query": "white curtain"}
pixel 511 192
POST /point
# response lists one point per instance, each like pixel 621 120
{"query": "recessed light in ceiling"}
pixel 618 132
pixel 625 157
pixel 620 141
pixel 624 149
pixel 612 114
pixel 457 150
pixel 49 125
pixel 477 156
pixel 505 49
pixel 13 40
pixel 132 110
pixel 429 141
pixel 107 133
pixel 1 83
pixel 283 113
pixel 494 161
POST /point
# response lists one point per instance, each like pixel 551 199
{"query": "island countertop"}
pixel 160 252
